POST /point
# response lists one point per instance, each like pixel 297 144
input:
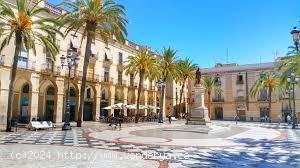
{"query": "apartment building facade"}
pixel 235 82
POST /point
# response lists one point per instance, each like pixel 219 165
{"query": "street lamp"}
pixel 295 35
pixel 293 79
pixel 289 91
pixel 161 84
pixel 71 62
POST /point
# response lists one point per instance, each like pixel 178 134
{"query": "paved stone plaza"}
pixel 96 145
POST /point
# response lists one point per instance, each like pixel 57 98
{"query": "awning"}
pixel 115 106
pixel 75 42
pixel 108 53
pixel 133 106
pixel 93 49
pixel 152 107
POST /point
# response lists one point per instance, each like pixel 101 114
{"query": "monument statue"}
pixel 199 113
pixel 198 77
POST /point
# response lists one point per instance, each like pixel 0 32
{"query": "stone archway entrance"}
pixel 49 104
pixel 89 99
pixel 24 104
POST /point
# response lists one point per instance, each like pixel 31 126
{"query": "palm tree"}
pixel 26 32
pixel 105 19
pixel 210 85
pixel 186 70
pixel 143 64
pixel 168 71
pixel 287 65
pixel 268 81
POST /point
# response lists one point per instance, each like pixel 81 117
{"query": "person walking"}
pixel 279 119
pixel 170 119
pixel 236 118
pixel 288 118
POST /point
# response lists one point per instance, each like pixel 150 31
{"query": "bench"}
pixel 34 125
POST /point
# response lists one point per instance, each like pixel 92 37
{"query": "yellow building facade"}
pixel 235 82
pixel 40 87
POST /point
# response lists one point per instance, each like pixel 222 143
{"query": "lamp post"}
pixel 295 35
pixel 293 80
pixel 71 62
pixel 160 84
pixel 289 91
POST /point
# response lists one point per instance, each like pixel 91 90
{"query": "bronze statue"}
pixel 198 77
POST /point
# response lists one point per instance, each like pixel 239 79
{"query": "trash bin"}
pixel 14 123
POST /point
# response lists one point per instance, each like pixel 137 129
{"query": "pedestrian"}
pixel 170 118
pixel 236 118
pixel 279 119
pixel 288 118
pixel 266 118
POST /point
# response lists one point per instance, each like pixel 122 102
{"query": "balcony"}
pixel 122 83
pixel 107 80
pixel 50 69
pixel 29 65
pixel 53 9
pixel 107 62
pixel 91 77
pixel 93 59
pixel 240 99
pixel 74 74
pixel 217 99
pixel 262 99
pixel 240 82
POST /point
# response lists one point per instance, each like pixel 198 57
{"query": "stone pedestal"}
pixel 199 113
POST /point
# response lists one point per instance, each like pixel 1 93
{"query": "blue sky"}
pixel 252 31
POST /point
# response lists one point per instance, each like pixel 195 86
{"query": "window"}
pixel 74 45
pixel 263 95
pixel 240 79
pixel 131 80
pixel 49 63
pixel 217 81
pixel 23 58
pixel 106 74
pixel 103 95
pixel 72 92
pixel 88 93
pixel 120 76
pixel 120 58
pixel 25 88
pixel 50 91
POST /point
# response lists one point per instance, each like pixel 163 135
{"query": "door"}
pixel 49 110
pixel 242 115
pixel 88 111
pixel 24 110
pixel 103 112
pixel 219 113
pixel 72 110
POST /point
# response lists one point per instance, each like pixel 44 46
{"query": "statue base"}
pixel 199 113
pixel 199 116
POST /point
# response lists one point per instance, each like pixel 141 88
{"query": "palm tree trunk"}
pixel 162 101
pixel 209 104
pixel 12 80
pixel 270 103
pixel 180 97
pixel 142 73
pixel 90 36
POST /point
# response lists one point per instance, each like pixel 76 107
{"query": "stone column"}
pixel 125 95
pixel 112 98
pixel 98 101
pixel 35 81
pixel 4 83
pixel 59 111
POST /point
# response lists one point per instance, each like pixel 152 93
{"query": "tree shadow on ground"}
pixel 258 153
